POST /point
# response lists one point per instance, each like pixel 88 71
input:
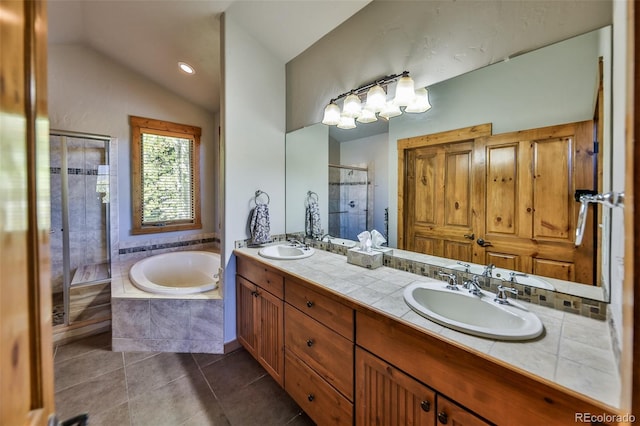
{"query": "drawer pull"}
pixel 310 342
pixel 443 418
pixel 310 397
pixel 309 303
pixel 255 294
pixel 426 406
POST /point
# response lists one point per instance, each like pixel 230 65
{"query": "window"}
pixel 165 176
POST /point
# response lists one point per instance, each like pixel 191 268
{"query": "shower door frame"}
pixel 64 187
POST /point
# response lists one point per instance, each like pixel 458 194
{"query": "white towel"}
pixel 259 226
pixel 313 227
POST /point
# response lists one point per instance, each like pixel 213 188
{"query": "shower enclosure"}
pixel 80 251
pixel 348 201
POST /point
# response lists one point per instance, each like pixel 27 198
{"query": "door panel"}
pixel 552 189
pixel 26 352
pixel 512 190
pixel 502 189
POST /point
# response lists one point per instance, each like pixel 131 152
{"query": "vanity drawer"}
pixel 329 312
pixel 326 352
pixel 317 398
pixel 261 275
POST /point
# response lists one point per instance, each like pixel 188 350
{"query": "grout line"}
pixel 126 388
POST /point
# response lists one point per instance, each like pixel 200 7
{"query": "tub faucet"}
pixel 452 280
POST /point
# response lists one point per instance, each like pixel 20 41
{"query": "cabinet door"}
pixel 245 315
pixel 386 396
pixel 270 326
pixel 450 413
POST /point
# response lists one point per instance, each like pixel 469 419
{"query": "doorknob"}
pixel 471 236
pixel 482 243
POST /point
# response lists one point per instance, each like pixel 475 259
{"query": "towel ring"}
pixel 258 194
pixel 311 194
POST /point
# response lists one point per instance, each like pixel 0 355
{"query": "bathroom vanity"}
pixel 348 361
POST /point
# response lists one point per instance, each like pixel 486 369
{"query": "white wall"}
pixel 307 159
pixel 373 152
pixel 90 93
pixel 253 123
pixel 618 163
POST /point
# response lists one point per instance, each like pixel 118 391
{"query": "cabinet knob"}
pixel 443 418
pixel 255 294
pixel 309 342
pixel 426 406
pixel 311 397
pixel 309 303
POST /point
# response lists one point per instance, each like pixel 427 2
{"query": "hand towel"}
pixel 313 228
pixel 260 224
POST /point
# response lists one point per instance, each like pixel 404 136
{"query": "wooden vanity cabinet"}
pixel 387 396
pixel 260 315
pixel 319 354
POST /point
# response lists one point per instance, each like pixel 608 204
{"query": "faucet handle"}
pixel 513 275
pixel 501 295
pixel 466 266
pixel 452 280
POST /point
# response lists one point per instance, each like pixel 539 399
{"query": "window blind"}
pixel 167 180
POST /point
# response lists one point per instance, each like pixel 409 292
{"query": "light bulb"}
pixel 352 106
pixel 404 91
pixel 347 122
pixel 376 99
pixel 331 115
pixel 420 103
pixel 367 116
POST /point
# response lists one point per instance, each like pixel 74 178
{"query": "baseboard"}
pixel 66 334
pixel 231 346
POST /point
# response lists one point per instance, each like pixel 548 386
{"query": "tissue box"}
pixel 370 260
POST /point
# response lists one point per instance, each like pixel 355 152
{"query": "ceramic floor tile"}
pixel 173 403
pixel 133 357
pixel 211 416
pixel 81 347
pixel 206 359
pixel 118 415
pixel 262 402
pixel 157 371
pixel 84 367
pixel 92 396
pixel 233 372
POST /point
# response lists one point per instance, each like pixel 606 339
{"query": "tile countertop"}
pixel 574 352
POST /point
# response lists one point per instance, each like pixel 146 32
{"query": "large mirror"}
pixel 566 82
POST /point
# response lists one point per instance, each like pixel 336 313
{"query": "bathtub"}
pixel 180 272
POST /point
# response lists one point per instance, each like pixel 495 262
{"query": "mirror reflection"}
pixel 567 82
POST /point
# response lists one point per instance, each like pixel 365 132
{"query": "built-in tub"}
pixel 181 272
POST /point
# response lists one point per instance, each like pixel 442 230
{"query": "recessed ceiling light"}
pixel 186 68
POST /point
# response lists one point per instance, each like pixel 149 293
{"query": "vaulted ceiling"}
pixel 150 37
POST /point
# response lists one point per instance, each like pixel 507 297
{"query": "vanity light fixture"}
pixel 186 68
pixel 375 102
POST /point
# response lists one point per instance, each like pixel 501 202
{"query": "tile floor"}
pixel 156 389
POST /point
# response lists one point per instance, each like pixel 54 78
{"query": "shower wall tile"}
pixel 169 319
pixel 130 318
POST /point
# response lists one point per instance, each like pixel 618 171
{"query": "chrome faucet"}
pixel 327 236
pixel 466 266
pixel 488 270
pixel 513 275
pixel 452 280
pixel 501 295
pixel 473 286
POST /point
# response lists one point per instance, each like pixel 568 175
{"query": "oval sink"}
pixel 477 315
pixel 340 241
pixel 286 252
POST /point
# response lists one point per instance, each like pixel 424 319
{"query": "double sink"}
pixel 481 313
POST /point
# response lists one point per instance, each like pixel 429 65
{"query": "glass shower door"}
pixel 80 250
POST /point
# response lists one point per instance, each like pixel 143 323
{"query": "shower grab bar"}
pixel 586 197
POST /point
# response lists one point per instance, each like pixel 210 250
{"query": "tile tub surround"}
pixel 143 321
pixel 575 352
